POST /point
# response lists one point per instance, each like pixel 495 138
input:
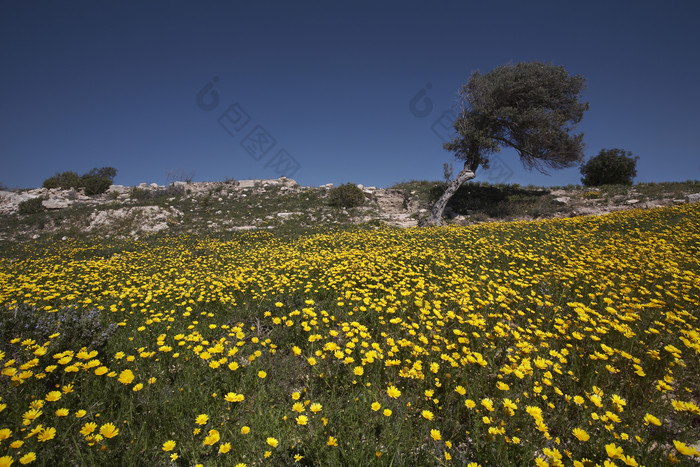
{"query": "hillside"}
pixel 215 208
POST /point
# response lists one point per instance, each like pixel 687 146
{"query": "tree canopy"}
pixel 530 107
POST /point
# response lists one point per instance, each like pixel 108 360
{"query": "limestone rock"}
pixel 693 198
pixel 55 203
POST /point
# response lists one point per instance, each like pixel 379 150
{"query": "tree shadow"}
pixel 496 201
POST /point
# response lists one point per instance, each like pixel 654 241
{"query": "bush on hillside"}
pixel 347 196
pixel 95 182
pixel 63 180
pixel 30 206
pixel 610 167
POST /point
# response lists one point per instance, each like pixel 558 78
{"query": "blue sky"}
pixel 323 90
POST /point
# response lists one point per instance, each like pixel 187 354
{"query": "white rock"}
pixel 55 203
pixel 246 183
pixel 632 201
pixel 694 198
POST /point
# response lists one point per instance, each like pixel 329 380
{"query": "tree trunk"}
pixel 436 214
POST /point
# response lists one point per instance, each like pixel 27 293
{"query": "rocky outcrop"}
pixel 693 198
pixel 137 220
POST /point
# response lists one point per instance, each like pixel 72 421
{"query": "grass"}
pixel 560 341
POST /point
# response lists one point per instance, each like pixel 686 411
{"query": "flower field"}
pixel 558 342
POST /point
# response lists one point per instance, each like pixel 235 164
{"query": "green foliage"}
pixel 347 195
pixel 63 180
pixel 138 193
pixel 70 327
pixel 610 167
pixel 95 185
pixel 95 182
pixel 530 107
pixel 30 206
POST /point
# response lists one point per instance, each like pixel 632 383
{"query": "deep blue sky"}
pixel 88 84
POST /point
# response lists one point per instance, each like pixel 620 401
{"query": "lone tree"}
pixel 610 167
pixel 530 107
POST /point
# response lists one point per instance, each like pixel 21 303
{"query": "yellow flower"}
pixel 470 404
pixel 387 412
pixel 650 419
pixel 435 434
pixel 212 438
pixel 201 419
pixel 31 415
pixel 316 407
pixel 459 390
pixel 62 412
pixel 393 392
pixel 332 441
pixel 5 433
pixel 47 434
pixel 137 387
pixel 6 461
pixel 427 414
pixel 262 374
pixel 126 377
pixel 88 428
pixel 27 458
pixel 580 434
pixel 53 396
pixel 359 371
pixel 488 404
pixel 376 406
pixel 614 452
pixel 233 397
pixel 80 413
pixel 224 448
pixel 684 449
pixel 108 430
pixel 245 430
pixel 169 445
pixel 272 442
pixel 311 360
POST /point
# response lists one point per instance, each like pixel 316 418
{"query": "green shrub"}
pixel 138 193
pixel 95 182
pixel 63 180
pixel 95 185
pixel 610 167
pixel 31 206
pixel 347 196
